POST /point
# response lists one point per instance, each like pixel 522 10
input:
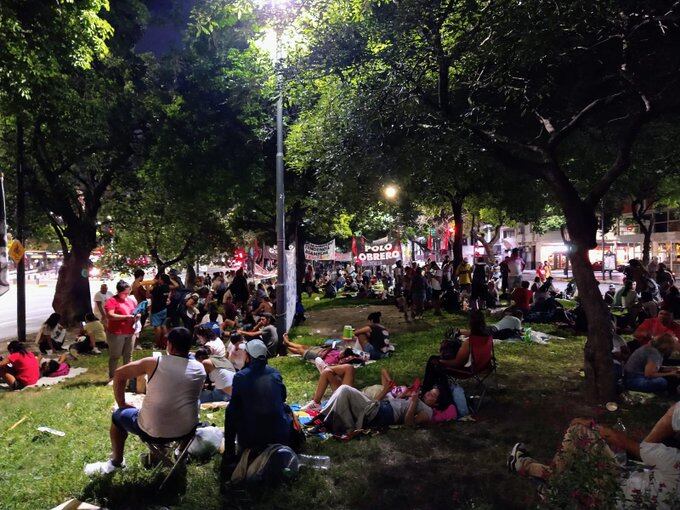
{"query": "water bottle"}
pixel 620 453
pixel 315 461
pixel 527 335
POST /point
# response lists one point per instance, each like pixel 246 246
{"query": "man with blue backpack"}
pixel 259 419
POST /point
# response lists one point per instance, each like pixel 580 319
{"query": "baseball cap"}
pixel 255 348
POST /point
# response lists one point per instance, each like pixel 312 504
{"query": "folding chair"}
pixel 480 368
pixel 169 452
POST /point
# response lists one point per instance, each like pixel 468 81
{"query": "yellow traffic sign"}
pixel 16 251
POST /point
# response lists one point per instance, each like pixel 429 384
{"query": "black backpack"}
pixel 449 346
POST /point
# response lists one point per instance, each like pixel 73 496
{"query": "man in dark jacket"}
pixel 257 413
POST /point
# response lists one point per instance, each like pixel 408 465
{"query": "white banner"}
pixel 343 257
pixel 291 287
pixel 324 251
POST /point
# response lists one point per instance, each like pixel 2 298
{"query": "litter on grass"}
pixel 49 430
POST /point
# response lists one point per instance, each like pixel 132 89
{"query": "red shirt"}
pixel 25 366
pixel 120 307
pixel 522 297
pixel 654 328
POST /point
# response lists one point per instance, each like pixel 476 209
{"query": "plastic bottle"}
pixel 527 335
pixel 620 453
pixel 315 461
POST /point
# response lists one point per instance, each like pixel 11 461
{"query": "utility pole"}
pixel 281 305
pixel 21 213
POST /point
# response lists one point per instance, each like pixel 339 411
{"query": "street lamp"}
pixel 281 305
pixel 391 191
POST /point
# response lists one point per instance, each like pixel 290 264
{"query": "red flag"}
pixel 445 240
pixel 429 242
pixel 354 246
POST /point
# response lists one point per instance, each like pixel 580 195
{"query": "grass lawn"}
pixel 457 465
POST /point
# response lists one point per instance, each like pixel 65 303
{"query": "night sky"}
pixel 166 23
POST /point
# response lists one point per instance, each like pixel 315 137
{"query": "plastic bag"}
pixel 207 442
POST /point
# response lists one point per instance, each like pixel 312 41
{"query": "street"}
pixel 38 307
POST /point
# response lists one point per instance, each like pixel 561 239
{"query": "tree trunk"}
pixel 190 282
pixel 646 246
pixel 72 294
pixel 582 226
pixel 457 210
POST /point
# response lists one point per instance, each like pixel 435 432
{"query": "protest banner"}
pixel 324 251
pixel 379 253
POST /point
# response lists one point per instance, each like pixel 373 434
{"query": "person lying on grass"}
pixel 338 375
pixel 349 409
pixel 660 483
pixel 170 408
pixel 20 368
pixel 54 367
pixel 322 356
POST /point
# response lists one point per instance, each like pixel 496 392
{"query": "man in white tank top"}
pixel 170 408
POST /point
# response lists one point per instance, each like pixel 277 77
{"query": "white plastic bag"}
pixel 207 442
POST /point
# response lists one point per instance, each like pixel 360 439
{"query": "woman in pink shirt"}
pixel 121 326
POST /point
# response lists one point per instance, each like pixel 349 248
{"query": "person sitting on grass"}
pixel 220 375
pixel 20 368
pixel 374 338
pixel 644 370
pixel 660 483
pixel 653 327
pixel 257 414
pixel 212 320
pixel 91 333
pixel 54 367
pixel 521 297
pixel 170 408
pixel 265 331
pixel 51 335
pixel 205 337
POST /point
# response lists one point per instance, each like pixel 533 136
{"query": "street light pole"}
pixel 21 214
pixel 280 198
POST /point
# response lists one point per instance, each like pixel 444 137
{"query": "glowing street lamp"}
pixel 391 192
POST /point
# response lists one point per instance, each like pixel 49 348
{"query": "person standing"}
pixel 160 293
pixel 140 292
pixel 119 336
pixel 239 289
pixel 515 269
pixel 504 267
pixel 464 274
pixel 436 276
pixel 99 299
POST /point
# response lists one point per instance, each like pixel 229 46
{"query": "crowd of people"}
pixel 218 334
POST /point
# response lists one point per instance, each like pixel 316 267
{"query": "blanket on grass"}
pixel 51 381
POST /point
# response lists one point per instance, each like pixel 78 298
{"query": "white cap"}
pixel 255 348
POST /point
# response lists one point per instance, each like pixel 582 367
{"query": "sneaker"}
pixel 102 468
pixel 96 351
pixel 110 383
pixel 312 405
pixel 517 454
pixel 320 364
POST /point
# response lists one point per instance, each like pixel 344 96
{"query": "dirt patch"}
pixel 329 323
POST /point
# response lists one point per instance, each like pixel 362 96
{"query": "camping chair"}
pixel 480 368
pixel 169 452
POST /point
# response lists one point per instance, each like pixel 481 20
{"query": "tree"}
pixel 533 85
pixel 606 68
pixel 82 125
